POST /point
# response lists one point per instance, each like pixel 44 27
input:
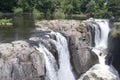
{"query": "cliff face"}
pixel 114 48
pixel 19 60
pixel 77 36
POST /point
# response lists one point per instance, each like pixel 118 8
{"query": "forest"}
pixel 61 8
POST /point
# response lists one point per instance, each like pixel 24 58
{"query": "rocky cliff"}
pixel 114 47
pixel 19 60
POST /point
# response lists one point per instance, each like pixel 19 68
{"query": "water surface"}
pixel 21 29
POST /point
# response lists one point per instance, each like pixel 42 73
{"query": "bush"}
pixel 115 31
pixel 18 11
pixel 5 20
pixel 117 24
pixel 59 14
pixel 102 14
pixel 37 14
pixel 1 14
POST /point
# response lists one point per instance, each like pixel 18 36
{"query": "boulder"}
pixel 114 51
pixel 81 56
pixel 100 72
pixel 77 36
pixel 20 61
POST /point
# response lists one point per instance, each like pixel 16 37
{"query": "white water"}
pixel 65 70
pixel 101 36
pixel 52 72
pixel 101 39
pixel 50 63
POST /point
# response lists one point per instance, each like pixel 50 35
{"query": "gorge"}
pixel 61 50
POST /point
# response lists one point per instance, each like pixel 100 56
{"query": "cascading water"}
pixel 101 36
pixel 52 72
pixel 50 63
pixel 64 72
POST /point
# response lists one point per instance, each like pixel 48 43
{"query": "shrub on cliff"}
pixel 115 31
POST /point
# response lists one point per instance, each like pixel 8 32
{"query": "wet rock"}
pixel 20 61
pixel 76 34
pixel 38 62
pixel 114 51
pixel 99 72
pixel 82 57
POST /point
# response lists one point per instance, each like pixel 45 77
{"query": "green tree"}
pixel 114 7
pixel 91 6
pixel 6 6
pixel 76 6
pixel 27 5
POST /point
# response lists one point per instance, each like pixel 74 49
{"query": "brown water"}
pixel 22 28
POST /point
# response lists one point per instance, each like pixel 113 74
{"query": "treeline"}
pixel 60 8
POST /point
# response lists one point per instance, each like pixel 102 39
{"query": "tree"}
pixel 114 7
pixel 27 5
pixel 6 6
pixel 91 6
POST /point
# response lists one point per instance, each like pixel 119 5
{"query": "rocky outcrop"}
pixel 20 61
pixel 99 72
pixel 76 33
pixel 114 50
pixel 82 57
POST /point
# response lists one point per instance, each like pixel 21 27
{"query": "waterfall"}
pixel 101 36
pixel 50 63
pixel 52 72
pixel 65 71
pixel 101 42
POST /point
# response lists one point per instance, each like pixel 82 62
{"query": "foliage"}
pixel 7 6
pixel 114 7
pixel 91 6
pixel 1 14
pixel 102 13
pixel 37 14
pixel 59 14
pixel 115 31
pixel 82 25
pixel 5 20
pixel 18 10
pixel 95 8
pixel 117 24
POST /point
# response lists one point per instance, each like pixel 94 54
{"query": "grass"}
pixel 4 21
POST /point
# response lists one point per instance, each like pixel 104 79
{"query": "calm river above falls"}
pixel 22 28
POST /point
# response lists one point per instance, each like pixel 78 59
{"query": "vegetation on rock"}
pixel 115 31
pixel 4 21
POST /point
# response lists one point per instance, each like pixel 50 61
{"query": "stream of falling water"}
pixel 64 72
pixel 101 38
pixel 50 63
pixel 101 35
